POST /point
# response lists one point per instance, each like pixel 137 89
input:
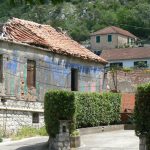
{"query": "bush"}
pixel 58 105
pixel 94 109
pixel 142 111
pixel 82 109
pixel 1 140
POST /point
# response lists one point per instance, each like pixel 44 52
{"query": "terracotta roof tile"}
pixel 45 36
pixel 113 30
pixel 126 53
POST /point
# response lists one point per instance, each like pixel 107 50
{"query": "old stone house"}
pixel 110 38
pixel 35 58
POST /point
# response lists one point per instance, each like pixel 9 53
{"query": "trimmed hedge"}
pixel 82 109
pixel 1 140
pixel 58 105
pixel 142 111
pixel 94 109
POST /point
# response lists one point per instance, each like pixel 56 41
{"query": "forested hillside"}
pixel 81 17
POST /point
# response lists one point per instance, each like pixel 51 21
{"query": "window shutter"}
pixel 31 73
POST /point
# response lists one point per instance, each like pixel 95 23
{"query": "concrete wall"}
pixel 52 72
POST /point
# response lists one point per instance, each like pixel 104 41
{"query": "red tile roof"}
pixel 113 30
pixel 45 36
pixel 126 53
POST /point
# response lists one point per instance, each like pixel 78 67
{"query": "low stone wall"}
pixel 15 114
pixel 99 129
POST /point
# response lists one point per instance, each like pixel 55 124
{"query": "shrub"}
pixel 94 109
pixel 1 140
pixel 82 109
pixel 58 105
pixel 142 111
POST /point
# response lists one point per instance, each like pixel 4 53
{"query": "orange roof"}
pixel 46 36
pixel 113 30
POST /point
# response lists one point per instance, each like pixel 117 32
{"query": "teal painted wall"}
pixel 52 72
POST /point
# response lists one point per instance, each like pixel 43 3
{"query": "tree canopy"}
pixel 33 2
pixel 81 17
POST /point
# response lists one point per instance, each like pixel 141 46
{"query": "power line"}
pixel 135 26
pixel 62 71
pixel 48 62
pixel 52 84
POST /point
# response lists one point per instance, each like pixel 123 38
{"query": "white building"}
pixel 128 57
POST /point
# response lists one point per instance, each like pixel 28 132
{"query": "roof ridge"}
pixel 113 27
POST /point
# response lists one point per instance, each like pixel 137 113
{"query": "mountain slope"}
pixel 81 17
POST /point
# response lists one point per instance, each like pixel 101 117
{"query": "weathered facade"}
pixel 27 72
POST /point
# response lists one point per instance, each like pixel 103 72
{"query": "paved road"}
pixel 36 143
pixel 116 140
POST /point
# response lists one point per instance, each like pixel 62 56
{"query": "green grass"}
pixel 26 132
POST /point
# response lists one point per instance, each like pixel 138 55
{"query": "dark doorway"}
pixel 74 79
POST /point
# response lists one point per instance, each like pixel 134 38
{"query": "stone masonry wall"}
pixel 15 114
pixel 128 81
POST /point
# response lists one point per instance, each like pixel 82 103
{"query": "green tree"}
pixel 13 2
pixel 81 17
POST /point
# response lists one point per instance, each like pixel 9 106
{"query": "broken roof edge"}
pixel 39 41
pixel 47 50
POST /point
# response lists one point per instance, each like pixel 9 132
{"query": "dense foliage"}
pixel 142 111
pixel 58 105
pixel 81 17
pixel 82 109
pixel 94 109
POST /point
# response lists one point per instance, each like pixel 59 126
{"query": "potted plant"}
pixel 75 139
